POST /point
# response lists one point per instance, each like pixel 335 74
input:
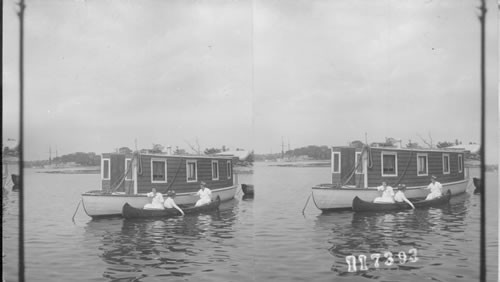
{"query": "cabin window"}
pixel 460 163
pixel 229 170
pixel 192 171
pixel 335 162
pixel 422 165
pixel 446 164
pixel 359 163
pixel 128 169
pixel 389 164
pixel 158 171
pixel 106 169
pixel 215 170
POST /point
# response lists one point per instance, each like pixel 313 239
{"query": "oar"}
pixel 306 203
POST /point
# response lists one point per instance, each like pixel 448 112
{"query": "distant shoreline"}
pixel 327 163
pixel 72 170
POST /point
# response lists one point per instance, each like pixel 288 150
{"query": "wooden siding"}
pixel 406 167
pixel 117 170
pixel 347 165
pixel 106 186
pixel 336 177
pixel 177 176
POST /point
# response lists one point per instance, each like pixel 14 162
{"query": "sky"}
pixel 247 74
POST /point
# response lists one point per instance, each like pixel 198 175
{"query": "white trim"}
pixel 449 169
pixel 102 168
pixel 229 170
pixel 131 174
pixel 395 163
pixel 333 160
pixel 195 170
pixel 134 174
pixel 460 163
pixel 158 160
pixel 357 156
pixel 217 165
pixel 426 164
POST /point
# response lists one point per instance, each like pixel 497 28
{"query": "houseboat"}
pixel 127 178
pixel 356 172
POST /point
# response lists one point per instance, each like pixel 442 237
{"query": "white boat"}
pixel 127 178
pixel 97 204
pixel 358 171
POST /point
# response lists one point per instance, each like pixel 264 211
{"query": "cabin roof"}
pixel 177 156
pixel 424 150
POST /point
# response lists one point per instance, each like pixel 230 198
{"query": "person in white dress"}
pixel 169 202
pixel 387 194
pixel 436 189
pixel 205 195
pixel 401 197
pixel 156 201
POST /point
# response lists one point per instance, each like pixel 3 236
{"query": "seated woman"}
pixel 169 202
pixel 436 189
pixel 205 195
pixel 156 202
pixel 400 196
pixel 387 194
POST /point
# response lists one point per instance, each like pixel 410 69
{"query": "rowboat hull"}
pixel 326 197
pixel 130 212
pixel 247 189
pixel 15 180
pixel 359 205
pixel 98 204
pixel 478 184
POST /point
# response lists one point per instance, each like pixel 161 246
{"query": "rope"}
pixel 73 218
pixel 175 176
pixel 360 158
pixel 306 203
pixel 137 155
pixel 406 169
pixel 115 187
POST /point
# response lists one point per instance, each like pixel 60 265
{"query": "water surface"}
pixel 250 239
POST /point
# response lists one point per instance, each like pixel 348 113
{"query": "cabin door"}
pixel 348 165
pixel 117 173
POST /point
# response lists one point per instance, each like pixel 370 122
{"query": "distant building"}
pixel 470 148
pixel 241 155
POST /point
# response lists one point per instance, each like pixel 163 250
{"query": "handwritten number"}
pixel 362 261
pixel 351 263
pixel 376 257
pixel 413 257
pixel 402 257
pixel 389 260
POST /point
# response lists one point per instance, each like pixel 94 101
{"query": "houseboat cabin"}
pixel 369 166
pixel 137 174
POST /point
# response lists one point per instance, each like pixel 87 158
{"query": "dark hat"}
pixel 171 193
pixel 433 177
pixel 401 187
pixel 203 183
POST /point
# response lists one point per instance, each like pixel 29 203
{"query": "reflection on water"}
pixel 436 234
pixel 179 246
